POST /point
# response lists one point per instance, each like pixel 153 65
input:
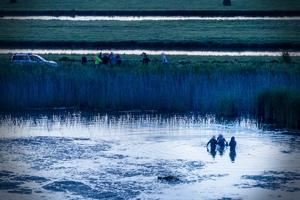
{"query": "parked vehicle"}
pixel 28 58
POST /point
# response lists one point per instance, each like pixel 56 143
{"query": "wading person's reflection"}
pixel 232 145
pixel 213 145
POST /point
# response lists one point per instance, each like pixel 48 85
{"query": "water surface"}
pixel 142 18
pixel 150 52
pixel 79 155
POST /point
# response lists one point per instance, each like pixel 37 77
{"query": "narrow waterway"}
pixel 142 18
pixel 150 52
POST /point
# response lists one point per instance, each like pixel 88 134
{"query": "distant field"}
pixel 40 5
pixel 256 32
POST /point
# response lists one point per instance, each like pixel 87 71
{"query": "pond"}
pixel 65 154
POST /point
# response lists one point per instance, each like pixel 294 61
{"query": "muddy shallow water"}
pixel 74 155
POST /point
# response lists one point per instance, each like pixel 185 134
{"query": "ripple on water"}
pixel 128 166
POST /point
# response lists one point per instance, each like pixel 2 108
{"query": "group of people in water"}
pixel 220 143
pixel 113 59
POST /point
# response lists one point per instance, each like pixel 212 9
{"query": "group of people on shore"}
pixel 146 60
pixel 104 59
pixel 220 143
pixel 113 59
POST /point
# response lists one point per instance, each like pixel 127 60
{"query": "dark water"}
pixel 79 155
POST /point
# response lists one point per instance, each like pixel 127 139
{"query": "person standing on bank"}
pixel 164 59
pixel 105 59
pixel 119 59
pixel 83 60
pixel 97 61
pixel 145 58
pixel 112 58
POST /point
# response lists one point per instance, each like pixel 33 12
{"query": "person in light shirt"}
pixel 164 59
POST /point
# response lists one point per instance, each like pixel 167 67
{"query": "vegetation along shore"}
pixel 268 88
pixel 265 88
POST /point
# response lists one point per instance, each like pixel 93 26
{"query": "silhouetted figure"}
pixel 119 59
pixel 232 155
pixel 232 144
pixel 213 143
pixel 221 141
pixel 83 60
pixel 226 2
pixel 112 58
pixel 105 59
pixel 145 59
pixel 100 55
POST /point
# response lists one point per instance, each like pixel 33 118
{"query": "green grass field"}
pixel 221 32
pixel 39 5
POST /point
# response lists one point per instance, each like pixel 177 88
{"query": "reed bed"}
pixel 225 89
pixel 281 105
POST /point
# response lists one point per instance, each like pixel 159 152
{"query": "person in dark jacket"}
pixel 213 143
pixel 83 60
pixel 119 59
pixel 105 59
pixel 232 144
pixel 221 141
pixel 145 59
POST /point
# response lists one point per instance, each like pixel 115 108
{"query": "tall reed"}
pixel 226 89
pixel 280 105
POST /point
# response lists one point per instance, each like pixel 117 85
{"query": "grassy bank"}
pixel 150 5
pixel 223 88
pixel 249 34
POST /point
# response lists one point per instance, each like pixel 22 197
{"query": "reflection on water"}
pixel 232 155
pixel 142 18
pixel 150 52
pixel 91 155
